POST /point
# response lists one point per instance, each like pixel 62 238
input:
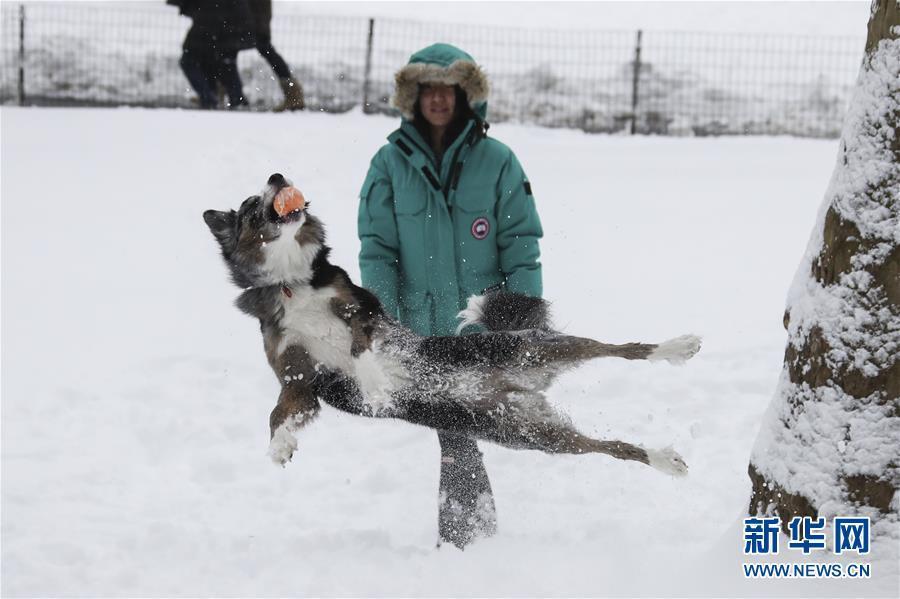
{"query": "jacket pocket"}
pixel 475 199
pixel 409 203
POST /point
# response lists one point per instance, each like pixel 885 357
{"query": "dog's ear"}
pixel 223 225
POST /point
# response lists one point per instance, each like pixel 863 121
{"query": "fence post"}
pixel 21 55
pixel 634 82
pixel 368 74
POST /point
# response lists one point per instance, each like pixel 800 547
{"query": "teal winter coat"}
pixel 433 234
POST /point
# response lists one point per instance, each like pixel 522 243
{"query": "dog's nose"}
pixel 277 180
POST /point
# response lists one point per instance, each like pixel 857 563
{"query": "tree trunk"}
pixel 830 442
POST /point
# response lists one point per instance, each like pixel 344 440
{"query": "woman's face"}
pixel 438 103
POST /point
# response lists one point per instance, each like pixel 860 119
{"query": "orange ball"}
pixel 288 200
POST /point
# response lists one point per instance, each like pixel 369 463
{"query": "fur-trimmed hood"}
pixel 440 63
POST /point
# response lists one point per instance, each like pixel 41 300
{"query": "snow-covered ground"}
pixel 135 397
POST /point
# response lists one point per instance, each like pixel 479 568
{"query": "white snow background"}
pixel 135 397
pixel 795 17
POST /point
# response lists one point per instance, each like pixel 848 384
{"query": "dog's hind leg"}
pixel 577 349
pixel 560 439
pixel 665 460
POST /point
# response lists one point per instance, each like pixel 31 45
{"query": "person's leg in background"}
pixel 196 60
pixel 466 508
pixel 231 78
pixel 293 92
pixel 267 50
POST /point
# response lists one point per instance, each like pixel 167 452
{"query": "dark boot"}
pixel 466 503
pixel 293 95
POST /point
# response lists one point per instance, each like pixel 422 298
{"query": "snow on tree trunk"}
pixel 829 444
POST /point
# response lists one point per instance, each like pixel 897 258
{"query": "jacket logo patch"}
pixel 480 228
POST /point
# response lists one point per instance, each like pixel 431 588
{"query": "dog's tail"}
pixel 502 311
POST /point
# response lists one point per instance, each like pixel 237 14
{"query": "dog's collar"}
pixel 287 291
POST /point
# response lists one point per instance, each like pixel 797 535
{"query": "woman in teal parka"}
pixel 446 213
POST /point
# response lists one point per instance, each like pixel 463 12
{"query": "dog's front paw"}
pixel 282 445
pixel 667 460
pixel 676 351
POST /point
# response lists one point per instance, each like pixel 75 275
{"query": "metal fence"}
pixel 676 83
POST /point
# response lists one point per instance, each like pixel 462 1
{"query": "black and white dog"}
pixel 329 339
